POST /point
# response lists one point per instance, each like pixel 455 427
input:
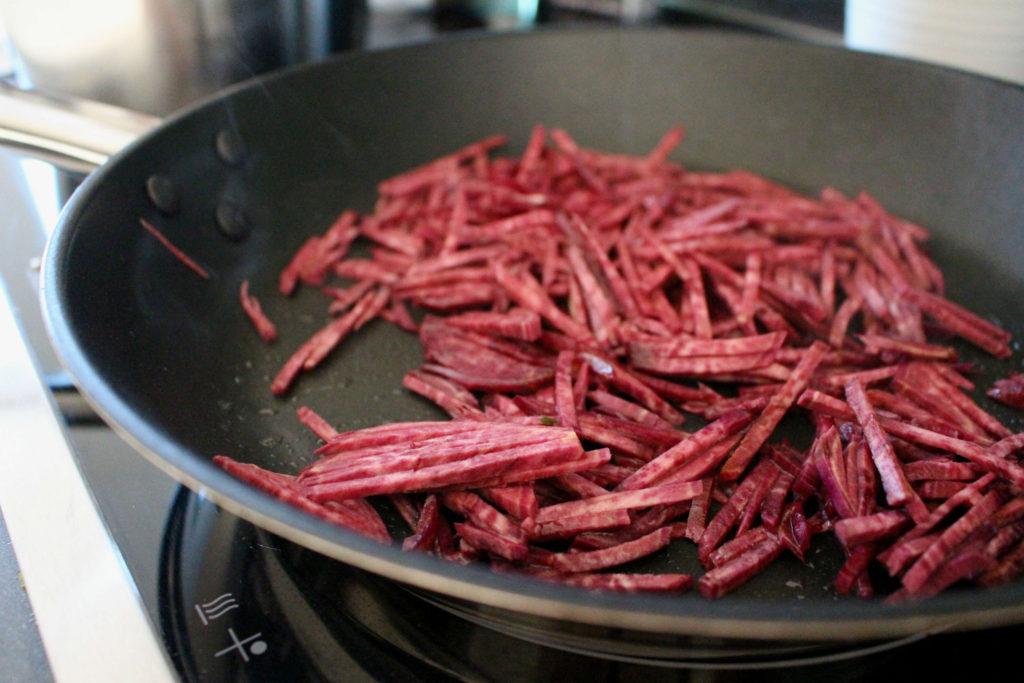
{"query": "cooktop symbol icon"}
pixel 256 647
pixel 218 607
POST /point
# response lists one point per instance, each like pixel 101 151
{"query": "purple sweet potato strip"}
pixel 254 311
pixel 828 278
pixel 875 343
pixel 565 402
pixel 482 436
pixel 751 288
pixel 519 501
pixel 939 490
pixel 867 481
pixel 1009 390
pixel 894 482
pixel 409 510
pixel 438 390
pixel 624 500
pixel 917 384
pixel 518 323
pixel 1007 569
pixel 737 346
pixel 766 422
pixel 425 534
pixel 960 321
pixel 739 545
pixel 642 524
pixel 600 309
pixel 529 472
pixel 904 407
pixel 988 461
pixel 1004 539
pixel 969 495
pixel 630 583
pixel 315 423
pixel 856 565
pixel 592 429
pixel 477 468
pixel 398 432
pixel 529 294
pixel 897 557
pixel 697 299
pixel 1009 513
pixel 482 515
pixel 930 560
pixel 579 387
pixel 567 527
pixel 855 530
pixel 771 509
pixel 616 555
pixel 842 318
pixel 753 404
pixel 363 269
pixel 492 543
pixel 283 487
pixel 940 469
pixel 964 565
pixel 415 456
pixel 753 508
pixel 698 442
pixel 730 513
pixel 786 457
pixel 865 377
pixel 627 409
pixel 580 487
pixel 823 403
pixel 826 453
pixel 728 577
pixel 796 529
pixel 962 401
pixel 689 272
pixel 609 474
pixel 706 462
pixel 657 437
pixel 630 384
pixel 615 280
pixel 675 391
pixel 696 520
pixel 1008 446
pixel 698 366
pixel 343 299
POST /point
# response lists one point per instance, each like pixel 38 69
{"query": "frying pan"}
pixel 242 179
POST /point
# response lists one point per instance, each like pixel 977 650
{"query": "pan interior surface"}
pixel 171 361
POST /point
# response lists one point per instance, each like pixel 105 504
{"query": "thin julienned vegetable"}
pixel 575 303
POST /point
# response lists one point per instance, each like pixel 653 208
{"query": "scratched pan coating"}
pixel 170 361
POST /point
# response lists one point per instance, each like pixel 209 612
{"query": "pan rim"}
pixel 683 615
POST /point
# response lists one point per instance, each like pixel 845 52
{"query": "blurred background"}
pixel 155 56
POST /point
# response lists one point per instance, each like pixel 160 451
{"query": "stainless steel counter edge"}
pixel 92 622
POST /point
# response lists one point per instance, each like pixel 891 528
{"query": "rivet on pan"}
pixel 162 191
pixel 230 147
pixel 231 220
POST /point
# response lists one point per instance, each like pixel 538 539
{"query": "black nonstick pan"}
pixel 241 180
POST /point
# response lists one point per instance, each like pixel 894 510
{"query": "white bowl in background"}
pixel 986 36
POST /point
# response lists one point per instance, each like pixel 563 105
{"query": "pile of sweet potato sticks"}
pixel 581 305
